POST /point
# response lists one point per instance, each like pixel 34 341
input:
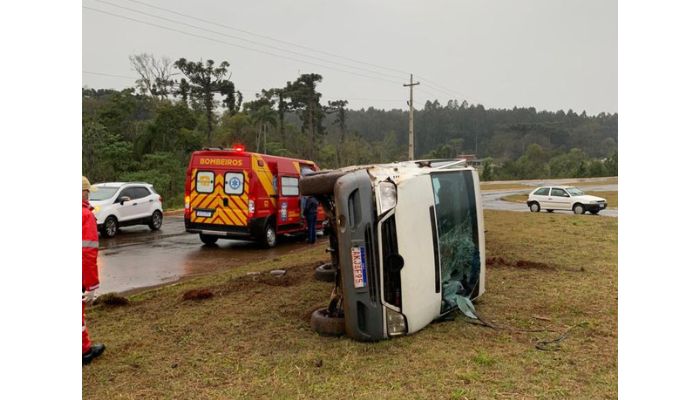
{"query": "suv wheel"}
pixel 110 227
pixel 578 209
pixel 535 207
pixel 208 239
pixel 156 220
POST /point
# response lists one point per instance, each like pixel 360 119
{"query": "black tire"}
pixel 594 212
pixel 110 227
pixel 326 325
pixel 550 210
pixel 578 209
pixel 269 237
pixel 156 220
pixel 325 273
pixel 208 239
pixel 319 183
pixel 535 207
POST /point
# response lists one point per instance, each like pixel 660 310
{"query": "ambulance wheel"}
pixel 326 325
pixel 318 183
pixel 270 238
pixel 110 227
pixel 156 220
pixel 208 239
pixel 325 273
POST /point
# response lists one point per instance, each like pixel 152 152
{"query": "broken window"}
pixel 458 241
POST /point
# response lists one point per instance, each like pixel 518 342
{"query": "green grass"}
pixel 252 338
pixel 610 196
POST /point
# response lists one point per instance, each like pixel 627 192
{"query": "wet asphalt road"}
pixel 138 258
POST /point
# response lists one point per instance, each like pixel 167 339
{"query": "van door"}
pixel 289 212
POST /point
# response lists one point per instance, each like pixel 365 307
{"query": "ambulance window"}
pixel 205 182
pixel 290 186
pixel 234 183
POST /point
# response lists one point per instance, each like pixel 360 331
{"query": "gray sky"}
pixel 549 54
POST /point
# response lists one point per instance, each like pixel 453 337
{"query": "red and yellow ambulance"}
pixel 235 194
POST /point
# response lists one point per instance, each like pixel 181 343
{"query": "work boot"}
pixel 95 351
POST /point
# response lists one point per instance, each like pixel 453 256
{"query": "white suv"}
pixel 568 198
pixel 126 203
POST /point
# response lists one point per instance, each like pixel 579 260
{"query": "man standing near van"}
pixel 310 211
pixel 91 279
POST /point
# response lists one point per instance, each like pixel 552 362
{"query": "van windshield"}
pixel 102 193
pixel 458 242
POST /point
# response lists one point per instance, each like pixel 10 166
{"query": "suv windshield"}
pixel 102 193
pixel 575 191
pixel 455 209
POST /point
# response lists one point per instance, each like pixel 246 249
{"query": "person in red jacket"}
pixel 91 279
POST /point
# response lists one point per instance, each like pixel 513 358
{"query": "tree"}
pixel 263 118
pixel 306 100
pixel 203 83
pixel 155 75
pixel 338 107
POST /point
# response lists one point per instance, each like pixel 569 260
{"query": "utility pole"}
pixel 410 118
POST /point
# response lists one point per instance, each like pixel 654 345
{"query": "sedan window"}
pixel 542 191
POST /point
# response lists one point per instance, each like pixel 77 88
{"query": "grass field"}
pixel 610 196
pixel 252 339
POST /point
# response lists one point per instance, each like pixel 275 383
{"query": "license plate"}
pixel 359 266
pixel 206 214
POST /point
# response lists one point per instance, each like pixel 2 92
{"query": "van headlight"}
pixel 395 323
pixel 387 196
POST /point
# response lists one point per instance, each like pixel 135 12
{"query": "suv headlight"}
pixel 395 323
pixel 387 196
pixel 96 209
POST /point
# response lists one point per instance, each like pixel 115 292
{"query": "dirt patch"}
pixel 524 264
pixel 111 300
pixel 197 294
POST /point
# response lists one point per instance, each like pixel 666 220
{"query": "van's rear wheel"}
pixel 326 325
pixel 208 239
pixel 318 183
pixel 325 273
pixel 269 238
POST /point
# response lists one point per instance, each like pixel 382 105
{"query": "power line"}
pixel 248 40
pixel 111 75
pixel 237 45
pixel 268 37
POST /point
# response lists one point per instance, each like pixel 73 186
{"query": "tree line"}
pixel 148 131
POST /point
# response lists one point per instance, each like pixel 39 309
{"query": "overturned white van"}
pixel 407 244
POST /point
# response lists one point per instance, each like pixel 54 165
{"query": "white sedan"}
pixel 569 198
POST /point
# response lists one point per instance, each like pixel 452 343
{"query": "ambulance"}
pixel 235 194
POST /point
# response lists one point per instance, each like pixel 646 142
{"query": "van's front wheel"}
pixel 323 323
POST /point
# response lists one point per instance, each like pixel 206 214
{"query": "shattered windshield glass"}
pixel 455 209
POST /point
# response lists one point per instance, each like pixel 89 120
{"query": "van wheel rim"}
pixel 270 235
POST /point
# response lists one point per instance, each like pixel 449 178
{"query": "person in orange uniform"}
pixel 91 279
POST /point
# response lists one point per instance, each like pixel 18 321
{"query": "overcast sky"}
pixel 548 54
